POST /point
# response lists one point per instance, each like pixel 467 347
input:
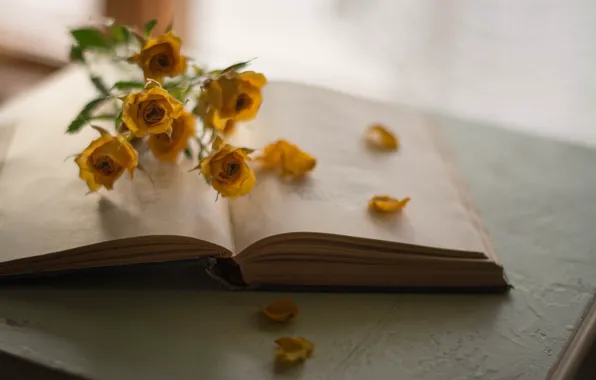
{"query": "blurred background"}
pixel 527 65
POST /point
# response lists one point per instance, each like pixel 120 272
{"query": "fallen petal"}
pixel 379 137
pixel 385 203
pixel 293 349
pixel 281 310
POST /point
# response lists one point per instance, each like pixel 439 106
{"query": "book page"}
pixel 334 197
pixel 43 203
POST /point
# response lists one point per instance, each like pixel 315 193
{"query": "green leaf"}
pixel 178 94
pixel 188 153
pixel 124 85
pixel 76 125
pixel 171 85
pixel 118 120
pixel 84 116
pixel 76 54
pixel 103 117
pixel 149 27
pixel 126 34
pixel 170 26
pixel 247 150
pixel 120 33
pixel 91 106
pixel 236 66
pixel 99 85
pixel 90 38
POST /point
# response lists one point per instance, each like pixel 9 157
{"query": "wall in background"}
pixel 39 29
pixel 527 64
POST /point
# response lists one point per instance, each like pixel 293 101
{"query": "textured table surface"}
pixel 536 196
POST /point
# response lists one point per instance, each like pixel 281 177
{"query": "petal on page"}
pixel 293 349
pixel 281 310
pixel 379 137
pixel 385 203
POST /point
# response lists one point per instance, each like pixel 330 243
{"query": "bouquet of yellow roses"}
pixel 179 109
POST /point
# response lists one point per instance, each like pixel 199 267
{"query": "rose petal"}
pixel 271 156
pixel 379 137
pixel 385 203
pixel 288 158
pixel 293 349
pixel 281 310
pixel 296 162
pixel 255 79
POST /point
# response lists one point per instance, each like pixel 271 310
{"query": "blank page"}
pixel 334 198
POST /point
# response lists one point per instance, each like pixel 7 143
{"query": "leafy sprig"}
pixel 109 40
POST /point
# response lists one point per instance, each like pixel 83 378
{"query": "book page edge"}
pixel 449 162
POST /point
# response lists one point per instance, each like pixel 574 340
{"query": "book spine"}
pixel 227 272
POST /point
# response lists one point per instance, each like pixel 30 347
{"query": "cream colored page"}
pixel 43 203
pixel 334 198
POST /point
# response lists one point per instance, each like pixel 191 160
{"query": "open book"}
pixel 316 232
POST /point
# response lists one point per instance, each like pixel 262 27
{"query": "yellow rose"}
pixel 150 111
pixel 237 97
pixel 167 147
pixel 289 158
pixel 231 98
pixel 211 118
pixel 228 171
pixel 160 57
pixel 105 159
